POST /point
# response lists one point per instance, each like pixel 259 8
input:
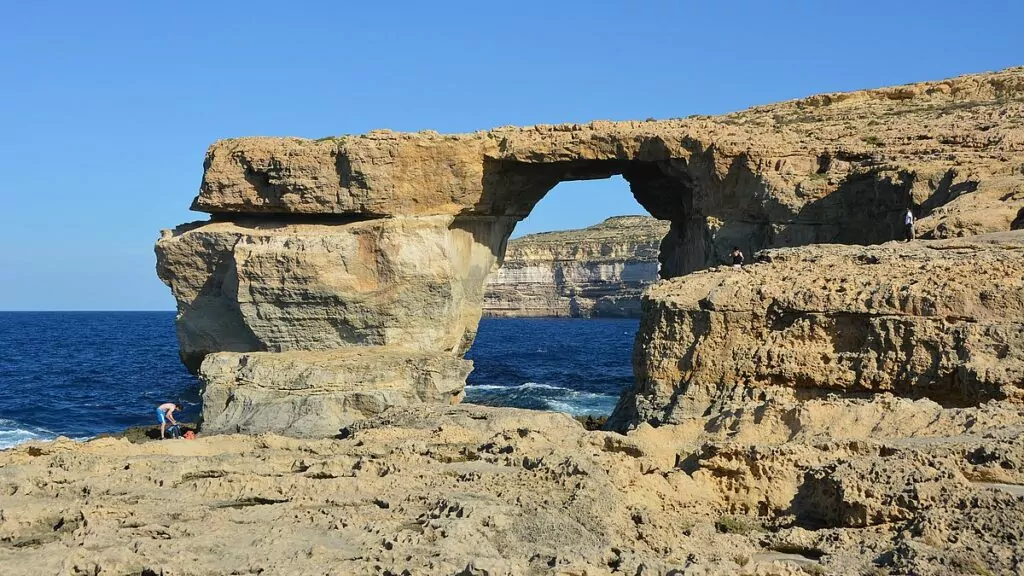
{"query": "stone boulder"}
pixel 379 174
pixel 936 319
pixel 305 327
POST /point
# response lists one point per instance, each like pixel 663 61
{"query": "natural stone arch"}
pixel 711 208
pixel 516 187
pixel 378 246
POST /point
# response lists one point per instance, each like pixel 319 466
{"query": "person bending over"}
pixel 737 257
pixel 165 412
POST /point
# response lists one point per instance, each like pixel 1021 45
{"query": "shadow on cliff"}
pixel 867 207
pixel 212 321
pixel 946 190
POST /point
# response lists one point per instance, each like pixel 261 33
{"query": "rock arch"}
pixel 370 253
pixel 343 275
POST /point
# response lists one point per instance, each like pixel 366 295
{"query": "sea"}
pixel 80 374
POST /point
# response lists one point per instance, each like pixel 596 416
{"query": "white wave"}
pixel 582 408
pixel 13 433
pixel 580 403
pixel 573 402
pixel 525 386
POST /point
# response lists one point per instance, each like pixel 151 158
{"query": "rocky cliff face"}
pixel 382 242
pixel 940 319
pixel 837 168
pixel 598 271
pixel 369 297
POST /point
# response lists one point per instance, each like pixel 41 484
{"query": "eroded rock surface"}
pixel 314 394
pixel 937 319
pixel 385 240
pixel 818 487
pixel 598 271
pixel 254 285
pixel 829 168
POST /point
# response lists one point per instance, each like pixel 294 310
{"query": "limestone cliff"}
pixel 598 271
pixel 383 241
pixel 834 408
pixel 939 319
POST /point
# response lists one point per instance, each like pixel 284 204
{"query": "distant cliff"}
pixel 594 272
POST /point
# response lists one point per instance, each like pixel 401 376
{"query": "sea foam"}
pixel 12 433
pixel 543 396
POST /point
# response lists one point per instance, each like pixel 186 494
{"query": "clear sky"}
pixel 106 108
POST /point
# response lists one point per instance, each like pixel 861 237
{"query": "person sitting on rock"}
pixel 737 257
pixel 908 225
pixel 165 412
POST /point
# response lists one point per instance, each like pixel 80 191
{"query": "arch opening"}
pixel 587 250
pixel 562 310
pixel 715 203
pixel 663 189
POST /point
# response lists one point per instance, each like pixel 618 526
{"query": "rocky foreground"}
pixel 877 486
pixel 595 272
pixel 826 410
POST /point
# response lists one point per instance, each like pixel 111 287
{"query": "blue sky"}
pixel 107 108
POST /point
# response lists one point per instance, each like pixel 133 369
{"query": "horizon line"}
pixel 84 310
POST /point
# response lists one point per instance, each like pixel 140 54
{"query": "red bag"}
pixel 190 435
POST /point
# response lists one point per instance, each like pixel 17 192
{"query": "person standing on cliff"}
pixel 165 412
pixel 737 257
pixel 908 225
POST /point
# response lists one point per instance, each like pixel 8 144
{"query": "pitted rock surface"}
pixel 937 319
pixel 432 490
pixel 253 285
pixel 315 394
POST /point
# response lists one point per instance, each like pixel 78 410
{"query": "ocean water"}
pixel 568 365
pixel 79 374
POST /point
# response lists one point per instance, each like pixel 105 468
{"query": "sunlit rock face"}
pixel 252 285
pixel 314 394
pixel 936 319
pixel 598 271
pixel 385 240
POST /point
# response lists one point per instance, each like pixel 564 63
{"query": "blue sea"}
pixel 568 365
pixel 79 374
